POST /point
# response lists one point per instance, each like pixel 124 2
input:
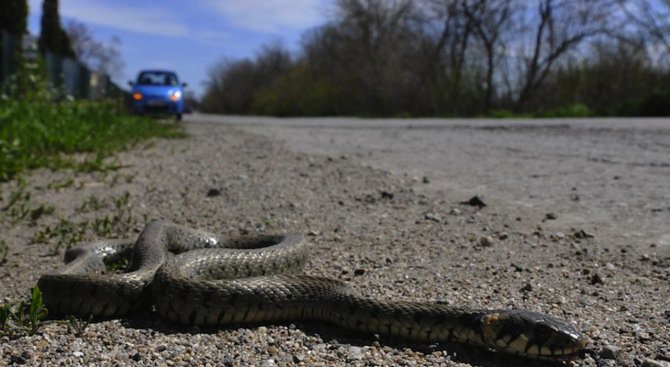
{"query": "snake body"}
pixel 249 281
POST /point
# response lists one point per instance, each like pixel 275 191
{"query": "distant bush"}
pixel 573 110
pixel 502 114
pixel 299 93
pixel 655 104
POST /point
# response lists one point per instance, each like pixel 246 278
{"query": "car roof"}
pixel 157 71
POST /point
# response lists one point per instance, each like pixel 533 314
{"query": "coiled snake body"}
pixel 214 282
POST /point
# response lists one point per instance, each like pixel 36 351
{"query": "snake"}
pixel 193 277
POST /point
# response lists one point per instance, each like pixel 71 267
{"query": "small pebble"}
pixel 474 201
pixel 486 241
pixel 652 363
pixel 213 192
pixel 609 352
pixel 433 217
pixel 582 234
pixel 386 195
pixel 355 353
pixel 597 279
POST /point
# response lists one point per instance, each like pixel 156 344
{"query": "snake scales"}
pixel 215 282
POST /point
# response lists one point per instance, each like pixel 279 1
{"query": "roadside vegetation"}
pixel 42 125
pixel 39 128
pixel 448 58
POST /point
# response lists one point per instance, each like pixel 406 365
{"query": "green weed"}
pixel 57 185
pixel 92 203
pixel 3 252
pixel 20 207
pixel 67 233
pixel 78 326
pixel 23 317
pixel 41 210
pixel 120 266
pixel 36 312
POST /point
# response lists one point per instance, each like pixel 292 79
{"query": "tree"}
pixel 52 36
pixel 489 20
pixel 557 28
pixel 445 35
pixel 232 85
pixel 462 58
pixel 374 49
pixel 100 57
pixel 652 18
pixel 13 16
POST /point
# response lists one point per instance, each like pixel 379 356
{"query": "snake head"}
pixel 531 334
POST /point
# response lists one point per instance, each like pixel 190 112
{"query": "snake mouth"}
pixel 555 352
pixel 526 346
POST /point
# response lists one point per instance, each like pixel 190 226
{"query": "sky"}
pixel 189 36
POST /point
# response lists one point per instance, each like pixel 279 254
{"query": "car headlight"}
pixel 137 96
pixel 175 95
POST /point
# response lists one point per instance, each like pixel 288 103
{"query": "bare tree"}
pixel 489 19
pixel 446 35
pixel 460 57
pixel 652 18
pixel 556 29
pixel 375 43
pixel 100 57
pixel 271 61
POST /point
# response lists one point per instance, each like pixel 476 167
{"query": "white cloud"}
pixel 212 36
pixel 268 16
pixel 125 15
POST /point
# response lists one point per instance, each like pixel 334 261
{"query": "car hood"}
pixel 156 90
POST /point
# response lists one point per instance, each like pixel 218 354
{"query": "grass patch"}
pixel 37 133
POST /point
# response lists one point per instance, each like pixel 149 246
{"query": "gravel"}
pixel 378 230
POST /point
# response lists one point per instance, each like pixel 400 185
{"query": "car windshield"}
pixel 157 78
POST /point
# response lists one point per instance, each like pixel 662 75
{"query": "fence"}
pixel 65 74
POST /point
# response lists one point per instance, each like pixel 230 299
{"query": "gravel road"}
pixel 575 226
pixel 606 175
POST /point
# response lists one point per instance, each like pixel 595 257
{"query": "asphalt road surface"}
pixel 608 177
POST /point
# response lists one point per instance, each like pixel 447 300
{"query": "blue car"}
pixel 157 92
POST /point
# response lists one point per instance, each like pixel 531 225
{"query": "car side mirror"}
pixel 184 84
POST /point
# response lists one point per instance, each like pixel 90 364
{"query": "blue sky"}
pixel 189 36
